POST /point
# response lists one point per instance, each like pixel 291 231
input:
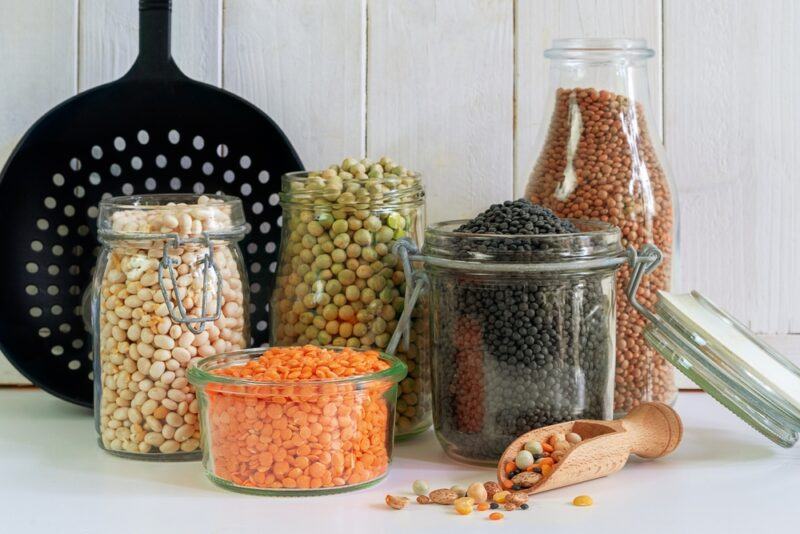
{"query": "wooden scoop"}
pixel 650 430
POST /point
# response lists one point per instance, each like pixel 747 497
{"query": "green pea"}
pixel 352 293
pixel 376 283
pixel 346 277
pixel 323 261
pixel 342 240
pixel 325 274
pixel 306 256
pixel 382 249
pixel 378 326
pixel 325 219
pixel 367 295
pixel 372 223
pixel 368 254
pixel 333 287
pixel 382 340
pixel 324 338
pixel 314 228
pixel 308 241
pixel 338 255
pixel 339 227
pixel 306 216
pixel 353 343
pixel 336 268
pixel 396 221
pixel 319 321
pixel 346 313
pixel 360 329
pixel 339 299
pixel 363 271
pixel 363 237
pixel 386 295
pixel 332 327
pixel 330 312
pixel 353 250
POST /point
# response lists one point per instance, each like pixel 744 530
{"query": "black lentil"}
pixel 524 506
pixel 516 352
pixel 494 506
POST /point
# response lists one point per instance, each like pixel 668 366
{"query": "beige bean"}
pixel 174 419
pixel 183 433
pixel 168 431
pixel 154 439
pixel 173 365
pixel 156 370
pixel 157 393
pixel 169 446
pixel 168 377
pixel 162 355
pixel 190 445
pixel 134 416
pixel 153 423
pixel 177 395
pixel 169 404
pixel 143 365
pixel 149 406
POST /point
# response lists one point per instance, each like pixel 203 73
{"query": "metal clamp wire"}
pixel 642 263
pixel 181 316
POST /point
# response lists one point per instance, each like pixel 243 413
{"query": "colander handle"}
pixel 155 33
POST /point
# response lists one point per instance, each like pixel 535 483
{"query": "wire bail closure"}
pixel 416 283
pixel 178 312
pixel 642 263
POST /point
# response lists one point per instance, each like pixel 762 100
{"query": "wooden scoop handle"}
pixel 653 430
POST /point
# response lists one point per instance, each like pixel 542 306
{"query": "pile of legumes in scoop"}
pixel 307 426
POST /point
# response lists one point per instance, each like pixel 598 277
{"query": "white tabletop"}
pixel 724 477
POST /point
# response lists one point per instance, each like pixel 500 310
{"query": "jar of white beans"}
pixel 170 289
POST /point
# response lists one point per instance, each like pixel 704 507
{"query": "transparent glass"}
pixel 600 157
pixel 144 405
pixel 520 339
pixel 339 282
pixel 255 439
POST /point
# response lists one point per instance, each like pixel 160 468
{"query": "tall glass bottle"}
pixel 600 157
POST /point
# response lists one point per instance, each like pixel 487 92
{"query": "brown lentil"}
pixel 627 188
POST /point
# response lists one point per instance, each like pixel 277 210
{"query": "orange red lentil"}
pixel 299 430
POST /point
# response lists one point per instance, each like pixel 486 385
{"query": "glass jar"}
pixel 170 289
pixel 520 338
pixel 339 460
pixel 601 158
pixel 338 281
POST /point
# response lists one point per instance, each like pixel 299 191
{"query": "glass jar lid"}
pixel 722 356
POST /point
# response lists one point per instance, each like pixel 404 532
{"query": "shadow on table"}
pixel 715 445
pixel 60 439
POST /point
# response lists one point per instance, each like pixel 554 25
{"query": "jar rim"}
pixel 596 48
pixel 411 196
pixel 169 202
pixel 200 374
pixel 597 245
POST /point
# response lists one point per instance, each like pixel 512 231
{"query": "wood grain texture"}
pixel 109 39
pixel 650 430
pixel 732 116
pixel 38 59
pixel 538 22
pixel 440 98
pixel 301 61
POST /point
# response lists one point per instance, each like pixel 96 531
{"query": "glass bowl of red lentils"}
pixel 297 420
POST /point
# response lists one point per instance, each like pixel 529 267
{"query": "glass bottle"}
pixel 600 157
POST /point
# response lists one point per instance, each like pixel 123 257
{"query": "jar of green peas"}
pixel 339 283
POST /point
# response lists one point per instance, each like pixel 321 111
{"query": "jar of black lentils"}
pixel 339 283
pixel 522 331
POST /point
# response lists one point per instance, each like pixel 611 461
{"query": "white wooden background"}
pixel 454 88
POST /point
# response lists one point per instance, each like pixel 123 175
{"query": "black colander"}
pixel 152 131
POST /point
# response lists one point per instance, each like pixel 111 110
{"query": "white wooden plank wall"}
pixel 455 88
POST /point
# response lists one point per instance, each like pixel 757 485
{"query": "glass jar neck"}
pixel 597 245
pixel 183 217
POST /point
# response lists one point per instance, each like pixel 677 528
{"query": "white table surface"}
pixel 724 477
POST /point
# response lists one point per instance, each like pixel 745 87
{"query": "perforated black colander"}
pixel 152 131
